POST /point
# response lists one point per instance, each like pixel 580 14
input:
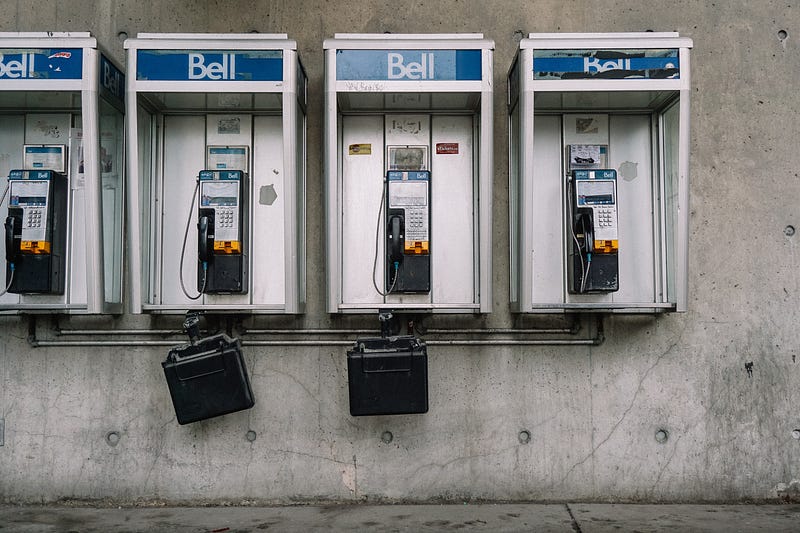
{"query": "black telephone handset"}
pixel 205 237
pixel 13 229
pixel 396 239
pixel 584 225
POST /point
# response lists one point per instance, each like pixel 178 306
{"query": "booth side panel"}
pixel 513 208
pixel 630 153
pixel 362 185
pixel 12 137
pixel 453 216
pixel 547 212
pixel 268 195
pixel 670 126
pixel 112 161
pixel 142 254
pixel 184 157
pixel 78 166
pixel 300 202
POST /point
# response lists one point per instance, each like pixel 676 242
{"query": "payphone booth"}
pixel 61 165
pixel 599 172
pixel 408 172
pixel 216 141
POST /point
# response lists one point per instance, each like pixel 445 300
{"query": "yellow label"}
pixel 227 247
pixel 416 248
pixel 34 247
pixel 606 247
pixel 360 149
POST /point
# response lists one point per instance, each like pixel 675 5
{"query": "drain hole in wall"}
pixel 112 438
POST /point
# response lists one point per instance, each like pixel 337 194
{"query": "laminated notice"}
pixel 360 149
pixel 446 148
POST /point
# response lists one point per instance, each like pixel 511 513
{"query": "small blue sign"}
pixel 30 175
pixel 45 64
pixel 606 64
pixel 112 80
pixel 220 175
pixel 606 174
pixel 209 65
pixel 409 65
pixel 410 175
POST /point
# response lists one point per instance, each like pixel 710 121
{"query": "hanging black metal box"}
pixel 388 376
pixel 208 379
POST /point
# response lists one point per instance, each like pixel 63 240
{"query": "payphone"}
pixel 62 150
pixel 36 225
pixel 593 231
pixel 408 260
pixel 220 222
pixel 232 152
pixel 408 139
pixel 599 129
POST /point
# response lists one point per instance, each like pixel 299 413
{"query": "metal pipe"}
pixel 437 331
pixel 82 332
pixel 516 342
pixel 598 339
pixel 133 343
pixel 472 331
pixel 301 342
pixel 318 331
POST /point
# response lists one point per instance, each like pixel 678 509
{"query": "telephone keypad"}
pixel 416 224
pixel 605 217
pixel 34 219
pixel 225 218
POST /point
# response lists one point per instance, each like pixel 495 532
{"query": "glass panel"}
pixel 589 100
pixel 669 131
pixel 217 101
pixel 374 101
pixel 145 133
pixel 300 150
pixel 40 100
pixel 112 163
pixel 514 200
pixel 647 63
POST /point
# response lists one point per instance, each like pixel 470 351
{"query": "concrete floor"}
pixel 582 518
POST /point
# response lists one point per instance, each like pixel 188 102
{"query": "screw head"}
pixel 524 436
pixel 387 437
pixel 662 436
pixel 112 438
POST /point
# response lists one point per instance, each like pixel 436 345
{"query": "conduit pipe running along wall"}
pixel 87 332
pixel 571 329
pixel 598 339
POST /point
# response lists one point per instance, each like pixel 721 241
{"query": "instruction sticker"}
pixel 360 149
pixel 229 126
pixel 45 156
pixel 446 148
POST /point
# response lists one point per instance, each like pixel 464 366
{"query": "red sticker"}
pixel 446 148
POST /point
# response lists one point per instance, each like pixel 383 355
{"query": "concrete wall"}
pixel 592 412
